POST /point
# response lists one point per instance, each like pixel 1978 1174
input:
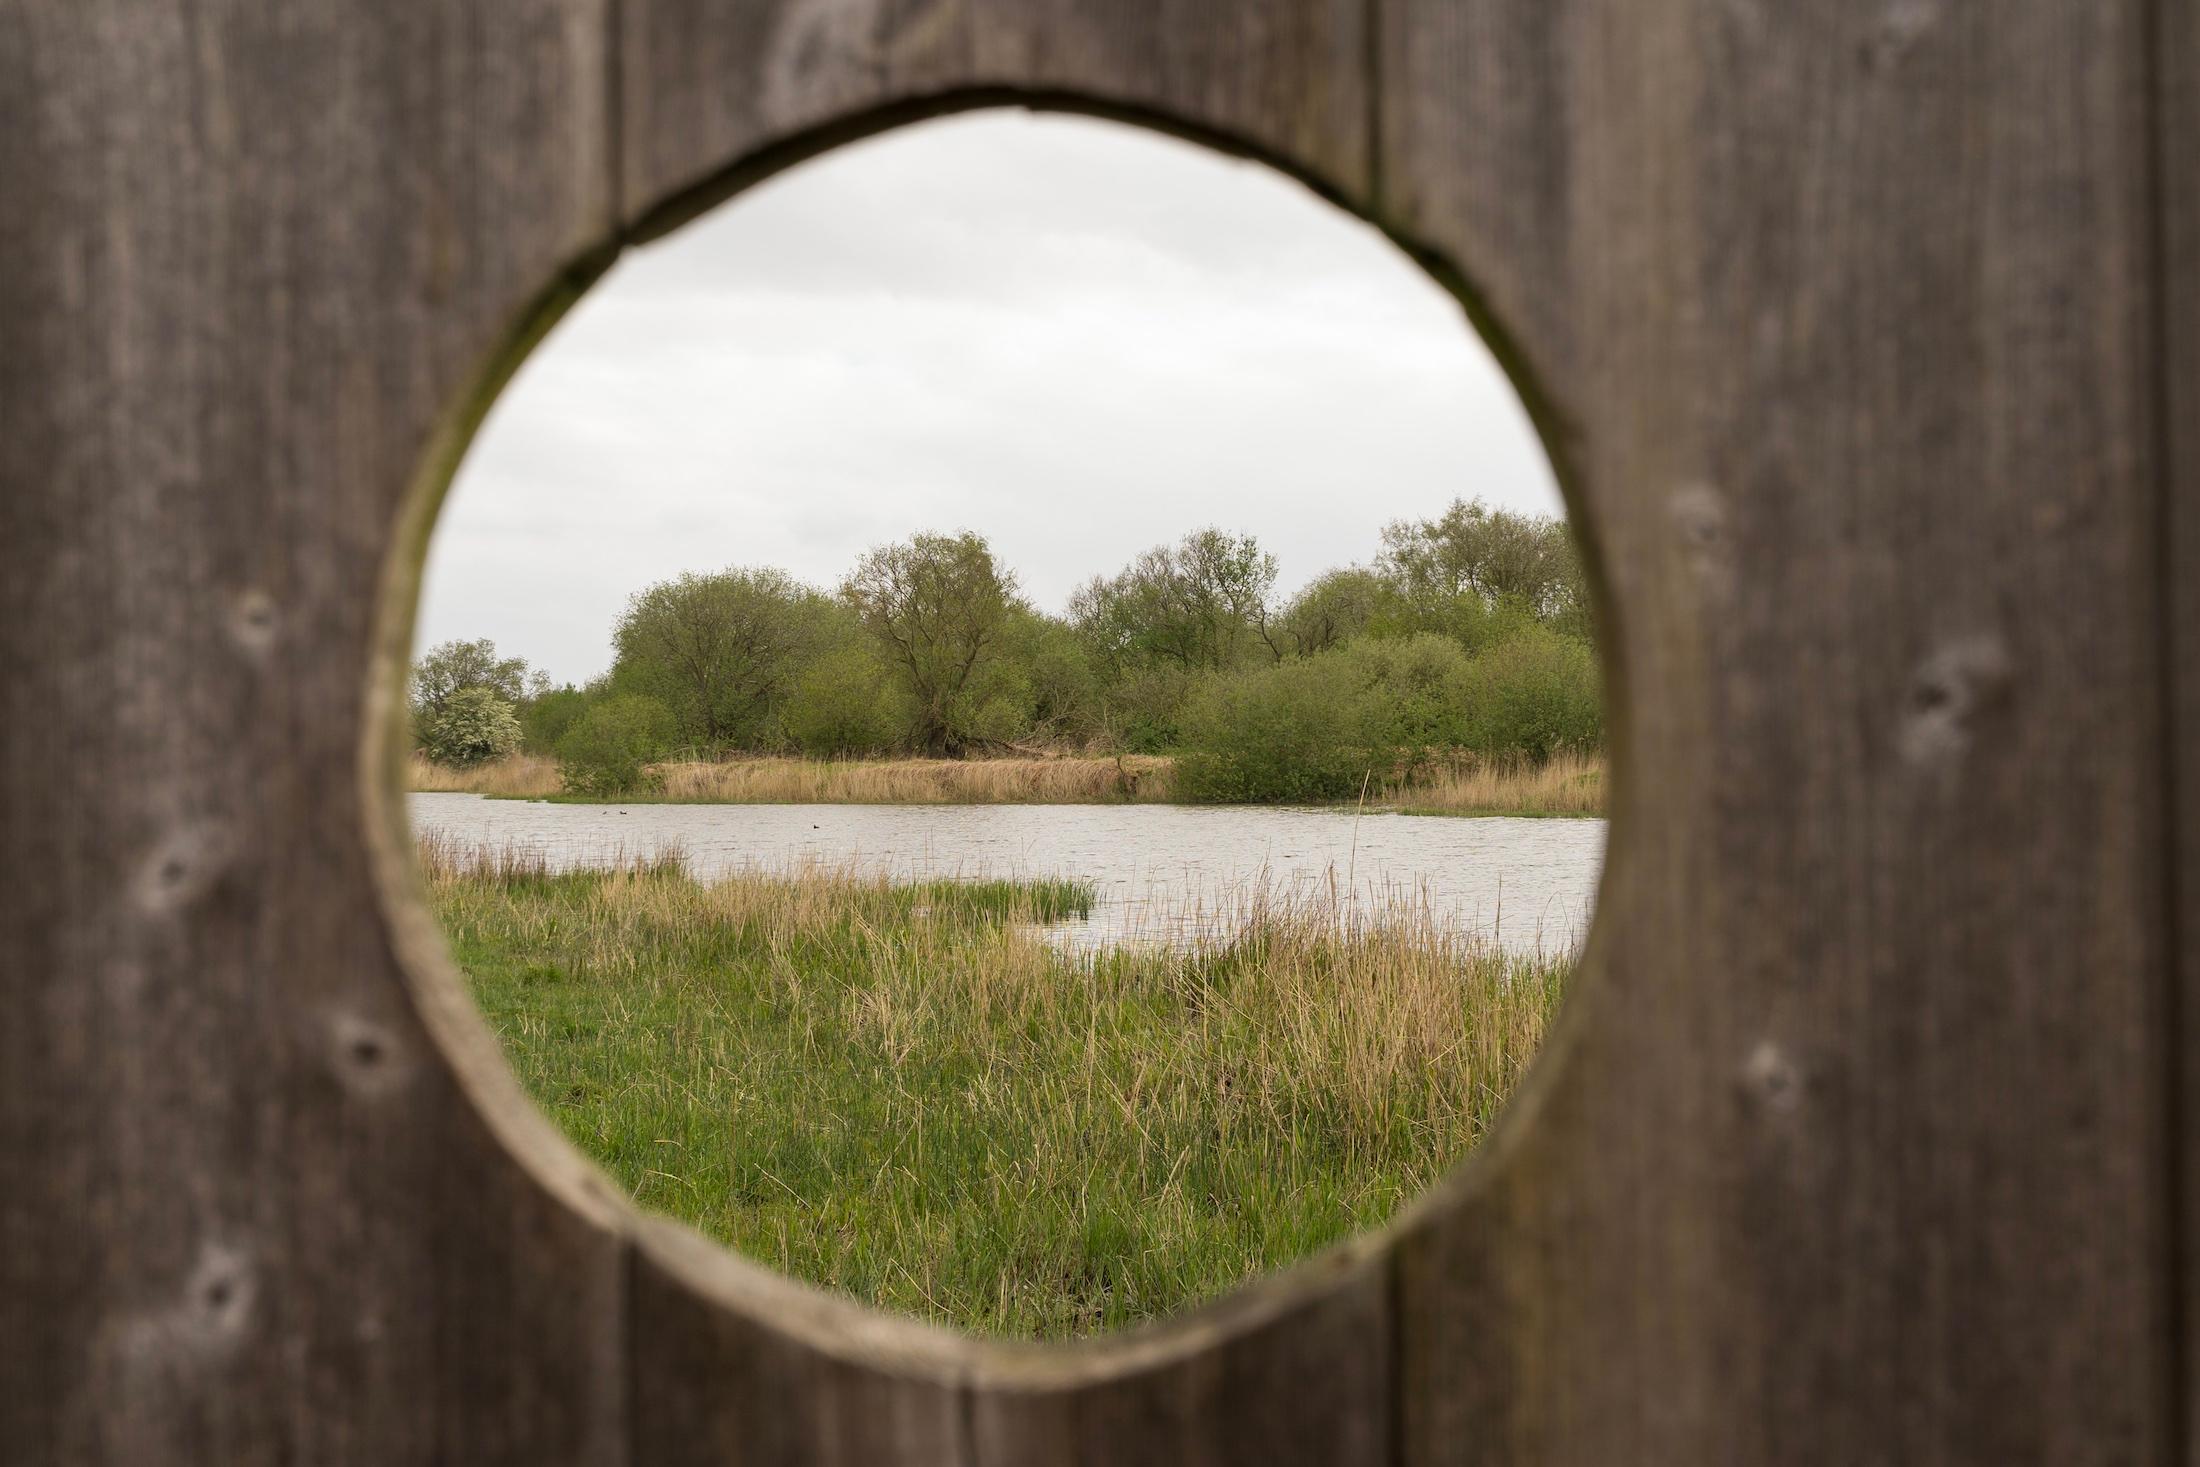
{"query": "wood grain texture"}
pixel 2177 271
pixel 1850 1146
pixel 1297 1370
pixel 254 256
pixel 735 1366
pixel 1842 320
pixel 710 83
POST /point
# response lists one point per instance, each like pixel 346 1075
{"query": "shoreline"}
pixel 1565 788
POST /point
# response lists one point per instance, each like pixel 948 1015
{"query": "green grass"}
pixel 900 1093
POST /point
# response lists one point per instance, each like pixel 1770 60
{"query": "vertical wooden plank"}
pixel 2177 273
pixel 1850 1147
pixel 254 256
pixel 1295 1370
pixel 711 82
pixel 735 1366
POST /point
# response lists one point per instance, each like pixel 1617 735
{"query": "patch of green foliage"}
pixel 900 1094
pixel 1367 713
pixel 1468 636
pixel 608 749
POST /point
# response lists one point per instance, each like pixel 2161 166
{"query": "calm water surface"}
pixel 1164 872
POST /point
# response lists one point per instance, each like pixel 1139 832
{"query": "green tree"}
pixel 1414 695
pixel 1288 731
pixel 1533 695
pixel 1063 688
pixel 1473 559
pixel 1199 604
pixel 1338 606
pixel 846 703
pixel 451 667
pixel 720 651
pixel 544 718
pixel 608 749
pixel 938 610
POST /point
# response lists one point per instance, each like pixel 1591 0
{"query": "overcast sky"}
pixel 1073 337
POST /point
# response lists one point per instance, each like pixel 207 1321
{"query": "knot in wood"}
pixel 1898 28
pixel 1771 1078
pixel 181 867
pixel 367 1055
pixel 1948 694
pixel 252 621
pixel 1698 516
pixel 221 1291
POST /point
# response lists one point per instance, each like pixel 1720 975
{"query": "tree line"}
pixel 1469 636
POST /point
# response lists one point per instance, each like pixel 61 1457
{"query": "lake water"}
pixel 1163 872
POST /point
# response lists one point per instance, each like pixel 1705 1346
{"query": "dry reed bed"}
pixel 1063 781
pixel 1566 785
pixel 522 776
pixel 908 1095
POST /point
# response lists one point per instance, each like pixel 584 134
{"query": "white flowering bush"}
pixel 472 726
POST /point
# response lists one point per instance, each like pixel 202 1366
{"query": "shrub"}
pixel 607 750
pixel 1062 686
pixel 1145 710
pixel 994 707
pixel 1533 695
pixel 472 726
pixel 846 703
pixel 1317 727
pixel 1412 694
pixel 720 651
pixel 1292 731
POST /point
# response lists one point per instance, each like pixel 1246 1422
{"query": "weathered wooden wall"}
pixel 1868 341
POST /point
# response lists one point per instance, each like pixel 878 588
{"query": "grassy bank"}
pixel 902 1094
pixel 1568 785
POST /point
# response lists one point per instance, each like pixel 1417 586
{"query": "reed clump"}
pixel 518 776
pixel 909 1094
pixel 1564 784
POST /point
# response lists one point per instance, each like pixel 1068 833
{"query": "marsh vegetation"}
pixel 905 1093
pixel 1565 784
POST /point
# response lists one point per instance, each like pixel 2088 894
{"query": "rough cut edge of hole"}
pixel 840 1328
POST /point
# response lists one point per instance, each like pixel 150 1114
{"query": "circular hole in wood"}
pixel 1009 724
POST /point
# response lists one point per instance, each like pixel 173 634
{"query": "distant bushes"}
pixel 1465 642
pixel 1366 714
pixel 608 749
pixel 843 705
pixel 1285 732
pixel 546 716
pixel 1533 695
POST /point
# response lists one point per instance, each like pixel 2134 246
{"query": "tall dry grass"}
pixel 1567 785
pixel 909 1094
pixel 521 776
